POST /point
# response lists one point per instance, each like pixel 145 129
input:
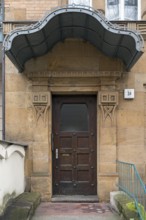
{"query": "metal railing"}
pixel 131 183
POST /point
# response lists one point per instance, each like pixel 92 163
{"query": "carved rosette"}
pixel 108 102
pixel 41 104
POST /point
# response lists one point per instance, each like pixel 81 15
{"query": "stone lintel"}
pixel 74 74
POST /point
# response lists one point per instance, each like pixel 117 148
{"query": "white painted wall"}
pixel 12 180
pixel 0 90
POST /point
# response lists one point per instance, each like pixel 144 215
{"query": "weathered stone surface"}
pixel 107 166
pixel 22 207
pixel 42 184
pixel 121 201
pixel 83 57
pixel 124 139
pixel 20 13
pixel 109 131
pixel 34 11
pixel 32 197
pixel 18 125
pixel 40 156
pixel 17 83
pixel 106 184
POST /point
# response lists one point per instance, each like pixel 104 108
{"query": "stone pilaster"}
pixel 107 176
pixel 41 176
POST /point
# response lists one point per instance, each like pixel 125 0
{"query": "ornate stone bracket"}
pixel 41 103
pixel 108 102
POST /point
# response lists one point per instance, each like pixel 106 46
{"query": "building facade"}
pixel 80 99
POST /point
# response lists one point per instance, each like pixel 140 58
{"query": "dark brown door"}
pixel 74 145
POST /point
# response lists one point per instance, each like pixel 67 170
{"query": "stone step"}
pixel 22 207
pixel 75 198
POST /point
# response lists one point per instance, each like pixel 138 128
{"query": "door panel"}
pixel 74 153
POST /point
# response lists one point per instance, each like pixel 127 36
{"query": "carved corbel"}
pixel 108 102
pixel 41 103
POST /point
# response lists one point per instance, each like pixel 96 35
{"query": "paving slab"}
pixel 75 211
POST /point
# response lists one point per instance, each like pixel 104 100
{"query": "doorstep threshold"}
pixel 75 198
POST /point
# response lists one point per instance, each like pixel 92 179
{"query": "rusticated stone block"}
pixel 106 184
pixel 20 13
pixel 40 157
pixel 42 184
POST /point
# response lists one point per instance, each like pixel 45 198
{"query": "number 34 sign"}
pixel 129 94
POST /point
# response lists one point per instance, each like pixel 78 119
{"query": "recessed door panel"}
pixel 74 141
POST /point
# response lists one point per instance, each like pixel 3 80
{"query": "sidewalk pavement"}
pixel 75 211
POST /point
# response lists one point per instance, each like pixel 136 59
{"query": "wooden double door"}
pixel 74 145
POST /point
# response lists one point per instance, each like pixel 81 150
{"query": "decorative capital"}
pixel 40 98
pixel 108 102
pixel 41 103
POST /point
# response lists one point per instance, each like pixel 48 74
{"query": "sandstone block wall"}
pixel 27 10
pixel 69 68
pixel 74 67
pixel 34 10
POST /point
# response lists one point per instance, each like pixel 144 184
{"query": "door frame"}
pixel 97 131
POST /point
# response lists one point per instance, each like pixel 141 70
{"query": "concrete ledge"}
pixel 22 207
pixel 121 200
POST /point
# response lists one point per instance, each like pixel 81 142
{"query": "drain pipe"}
pixel 3 81
pixel 3 94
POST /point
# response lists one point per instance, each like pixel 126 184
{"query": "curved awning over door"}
pixel 73 22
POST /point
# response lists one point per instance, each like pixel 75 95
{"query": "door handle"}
pixel 56 152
